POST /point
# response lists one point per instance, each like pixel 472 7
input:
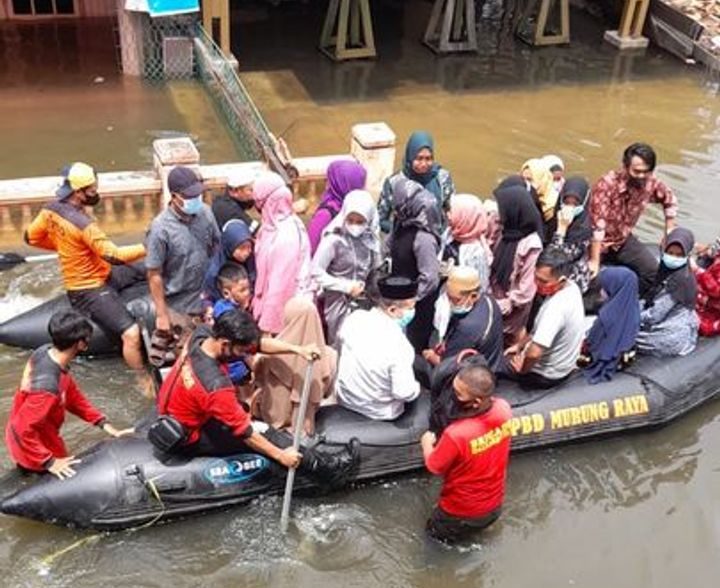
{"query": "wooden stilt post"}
pixel 629 33
pixel 223 13
pixel 219 10
pixel 347 32
pixel 536 34
pixel 451 28
pixel 207 14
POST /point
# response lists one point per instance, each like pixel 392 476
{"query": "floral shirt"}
pixel 616 206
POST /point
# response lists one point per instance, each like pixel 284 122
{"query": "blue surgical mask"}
pixel 460 310
pixel 406 318
pixel 192 206
pixel 576 210
pixel 673 262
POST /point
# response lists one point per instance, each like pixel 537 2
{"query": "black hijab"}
pixel 519 218
pixel 680 283
pixel 580 229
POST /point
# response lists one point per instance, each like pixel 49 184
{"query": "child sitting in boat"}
pixel 471 455
pixel 234 287
pixel 47 390
pixel 236 245
pixel 668 322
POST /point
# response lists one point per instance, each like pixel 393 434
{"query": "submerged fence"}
pixel 222 82
pixel 177 47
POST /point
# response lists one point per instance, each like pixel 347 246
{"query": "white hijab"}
pixel 362 203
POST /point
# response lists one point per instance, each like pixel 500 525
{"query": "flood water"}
pixel 636 510
pixel 63 99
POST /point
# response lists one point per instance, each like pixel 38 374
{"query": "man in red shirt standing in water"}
pixel 471 456
pixel 47 391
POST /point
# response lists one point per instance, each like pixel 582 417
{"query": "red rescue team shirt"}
pixel 472 456
pixel 199 389
pixel 46 391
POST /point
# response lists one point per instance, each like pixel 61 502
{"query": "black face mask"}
pixel 636 182
pixel 246 204
pixel 91 199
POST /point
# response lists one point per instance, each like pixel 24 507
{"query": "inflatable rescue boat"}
pixel 124 482
pixel 29 329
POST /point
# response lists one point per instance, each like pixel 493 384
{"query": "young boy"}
pixel 471 455
pixel 234 285
pixel 46 391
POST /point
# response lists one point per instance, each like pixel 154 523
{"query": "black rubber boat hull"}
pixel 29 329
pixel 116 483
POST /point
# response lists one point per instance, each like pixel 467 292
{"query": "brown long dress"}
pixel 280 377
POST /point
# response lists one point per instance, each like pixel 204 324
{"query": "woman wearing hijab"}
pixel 348 253
pixel 282 253
pixel 414 249
pixel 538 176
pixel 616 327
pixel 668 322
pixel 557 169
pixel 280 378
pixel 573 232
pixel 418 166
pixel 465 240
pixel 236 244
pixel 343 176
pixel 464 244
pixel 512 274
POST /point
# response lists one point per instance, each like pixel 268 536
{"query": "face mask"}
pixel 355 230
pixel 91 199
pixel 573 211
pixel 246 204
pixel 192 206
pixel 460 310
pixel 548 289
pixel 406 318
pixel 673 262
pixel 636 182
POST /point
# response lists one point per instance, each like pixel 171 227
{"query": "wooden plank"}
pixel 676 19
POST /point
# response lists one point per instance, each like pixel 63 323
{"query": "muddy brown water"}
pixel 635 510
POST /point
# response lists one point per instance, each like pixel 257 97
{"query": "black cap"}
pixel 184 181
pixel 397 288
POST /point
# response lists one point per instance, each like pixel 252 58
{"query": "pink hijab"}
pixel 467 218
pixel 282 253
pixel 273 199
pixel 468 221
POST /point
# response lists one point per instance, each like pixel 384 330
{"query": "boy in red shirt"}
pixel 46 391
pixel 471 456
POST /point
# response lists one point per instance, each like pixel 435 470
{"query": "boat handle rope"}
pixel 46 562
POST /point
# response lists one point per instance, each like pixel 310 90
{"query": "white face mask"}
pixel 356 230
